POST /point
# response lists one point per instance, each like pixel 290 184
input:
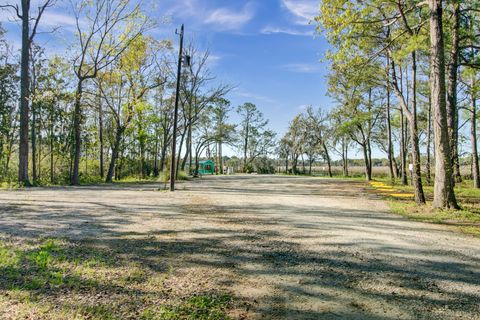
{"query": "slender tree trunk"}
pixel 473 136
pixel 86 159
pixel 164 152
pixel 188 151
pixel 142 160
pixel 346 161
pixel 389 125
pixel 180 146
pixel 39 169
pixel 294 165
pixel 34 142
pixel 452 111
pixel 77 120
pixel 190 143
pixel 100 134
pixel 417 171
pixel 429 139
pixel 115 153
pixel 370 162
pixel 24 96
pixel 52 172
pixel 155 156
pixel 444 194
pixel 245 148
pixel 327 157
pixel 303 165
pixel 345 157
pixel 368 172
pixel 220 156
pixel 403 157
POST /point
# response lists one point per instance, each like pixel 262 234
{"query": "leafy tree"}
pixel 29 31
pixel 254 139
pixel 112 26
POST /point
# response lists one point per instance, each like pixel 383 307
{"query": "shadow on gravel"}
pixel 332 282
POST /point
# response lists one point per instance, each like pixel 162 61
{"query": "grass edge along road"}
pixel 400 200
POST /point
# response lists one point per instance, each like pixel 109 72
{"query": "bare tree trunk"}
pixel 417 171
pixel 403 156
pixel 142 159
pixel 163 153
pixel 429 139
pixel 303 165
pixel 77 120
pixel 345 157
pixel 473 136
pixel 220 156
pixel 188 151
pixel 52 172
pixel 286 164
pixel 368 170
pixel 180 153
pixel 34 142
pixel 115 152
pixel 294 165
pixel 444 194
pixel 370 162
pixel 245 148
pixel 100 133
pixel 452 111
pixel 155 157
pixel 24 96
pixel 389 125
pixel 39 172
pixel 327 157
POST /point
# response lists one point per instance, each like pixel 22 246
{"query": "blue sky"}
pixel 265 48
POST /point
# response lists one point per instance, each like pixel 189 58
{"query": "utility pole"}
pixel 173 171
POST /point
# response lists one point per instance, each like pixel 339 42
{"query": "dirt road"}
pixel 284 247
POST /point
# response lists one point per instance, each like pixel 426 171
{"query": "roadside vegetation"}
pixel 62 279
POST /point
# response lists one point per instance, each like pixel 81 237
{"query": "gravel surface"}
pixel 286 247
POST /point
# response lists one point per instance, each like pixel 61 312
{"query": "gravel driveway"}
pixel 286 247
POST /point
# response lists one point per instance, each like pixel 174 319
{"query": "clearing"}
pixel 242 247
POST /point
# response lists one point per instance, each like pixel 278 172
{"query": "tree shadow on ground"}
pixel 313 273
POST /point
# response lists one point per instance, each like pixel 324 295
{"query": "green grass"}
pixel 60 279
pixel 466 220
pixel 204 307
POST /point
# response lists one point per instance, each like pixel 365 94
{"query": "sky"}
pixel 267 49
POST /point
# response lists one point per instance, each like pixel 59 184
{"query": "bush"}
pixel 248 168
pixel 165 175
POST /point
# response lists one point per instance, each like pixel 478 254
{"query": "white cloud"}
pixel 230 19
pixel 289 31
pixel 49 20
pixel 301 67
pixel 213 60
pixel 218 17
pixel 304 10
pixel 245 94
pixel 56 19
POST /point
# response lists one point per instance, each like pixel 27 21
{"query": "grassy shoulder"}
pixel 97 180
pixel 466 220
pixel 60 279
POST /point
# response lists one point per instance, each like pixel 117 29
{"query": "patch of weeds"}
pixel 135 275
pixel 202 307
pixel 97 312
pixel 30 268
pixel 41 259
pixel 8 257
